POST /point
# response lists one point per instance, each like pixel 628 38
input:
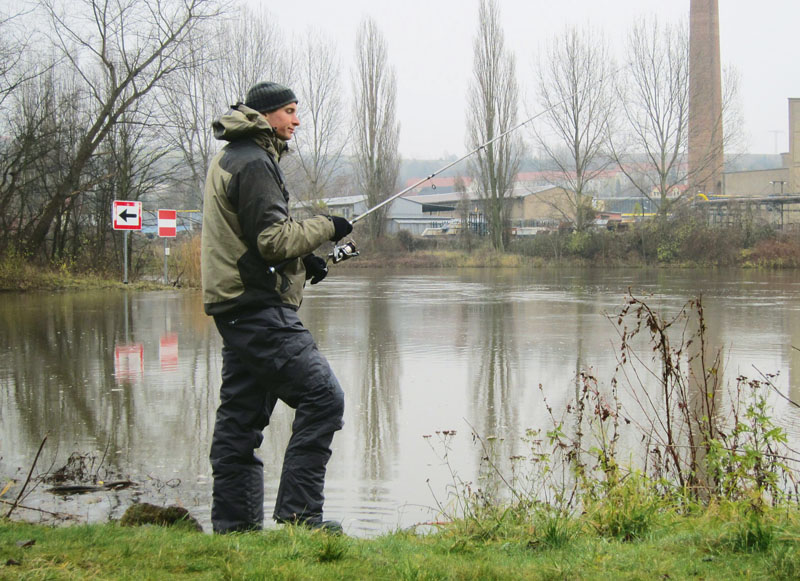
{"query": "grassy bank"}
pixel 716 544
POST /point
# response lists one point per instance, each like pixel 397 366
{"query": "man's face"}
pixel 284 121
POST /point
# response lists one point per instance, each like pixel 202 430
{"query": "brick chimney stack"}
pixel 794 146
pixel 706 155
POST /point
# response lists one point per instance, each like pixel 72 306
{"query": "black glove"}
pixel 316 268
pixel 343 227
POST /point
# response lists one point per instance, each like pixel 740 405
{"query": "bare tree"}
pixel 732 116
pixel 38 133
pixel 20 143
pixel 574 88
pixel 493 104
pixel 133 164
pixel 45 132
pixel 320 140
pixel 120 51
pixel 654 95
pixel 464 211
pixel 190 99
pixel 232 54
pixel 251 49
pixel 377 132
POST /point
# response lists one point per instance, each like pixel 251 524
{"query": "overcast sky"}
pixel 430 47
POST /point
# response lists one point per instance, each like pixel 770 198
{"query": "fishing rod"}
pixel 348 249
pixel 449 165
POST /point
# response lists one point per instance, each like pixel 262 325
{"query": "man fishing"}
pixel 255 262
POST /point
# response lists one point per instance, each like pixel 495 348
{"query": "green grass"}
pixel 712 544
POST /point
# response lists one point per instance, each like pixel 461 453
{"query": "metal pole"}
pixel 125 258
pixel 166 254
pixel 127 319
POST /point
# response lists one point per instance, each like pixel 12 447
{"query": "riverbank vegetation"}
pixel 690 478
pixel 686 241
pixel 18 273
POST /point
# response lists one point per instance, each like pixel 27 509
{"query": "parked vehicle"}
pixel 449 228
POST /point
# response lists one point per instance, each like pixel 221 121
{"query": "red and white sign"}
pixel 168 223
pixel 128 361
pixel 126 215
pixel 168 352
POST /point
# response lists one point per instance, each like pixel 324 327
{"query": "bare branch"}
pixel 250 49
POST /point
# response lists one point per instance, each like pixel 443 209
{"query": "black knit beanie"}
pixel 267 96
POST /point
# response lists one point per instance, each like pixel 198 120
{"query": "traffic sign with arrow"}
pixel 127 215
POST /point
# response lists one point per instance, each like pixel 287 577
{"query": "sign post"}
pixel 126 215
pixel 167 228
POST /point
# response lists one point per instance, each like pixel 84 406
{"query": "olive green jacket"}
pixel 251 248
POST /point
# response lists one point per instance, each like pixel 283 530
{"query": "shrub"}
pixel 13 270
pixel 407 240
pixel 753 534
pixel 781 252
pixel 547 245
pixel 627 511
pixel 579 243
pixel 185 262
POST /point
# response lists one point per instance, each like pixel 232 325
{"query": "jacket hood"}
pixel 242 122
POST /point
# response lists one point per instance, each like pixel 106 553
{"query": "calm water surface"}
pixel 131 379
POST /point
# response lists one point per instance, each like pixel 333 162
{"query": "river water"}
pixel 129 380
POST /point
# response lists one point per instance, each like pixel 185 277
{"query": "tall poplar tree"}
pixel 493 103
pixel 377 131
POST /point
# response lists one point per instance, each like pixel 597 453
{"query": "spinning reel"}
pixel 342 252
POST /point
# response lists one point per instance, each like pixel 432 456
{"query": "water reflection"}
pixel 379 396
pixel 134 377
pixel 55 368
